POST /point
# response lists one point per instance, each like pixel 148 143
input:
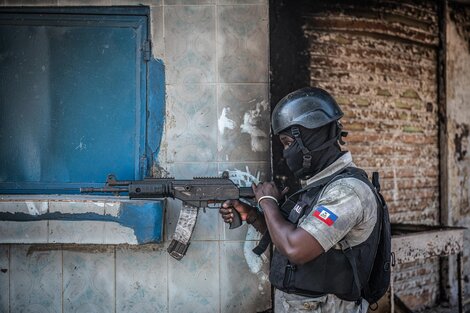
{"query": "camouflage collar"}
pixel 343 162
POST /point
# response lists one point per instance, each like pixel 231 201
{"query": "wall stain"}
pixel 460 138
pixel 460 14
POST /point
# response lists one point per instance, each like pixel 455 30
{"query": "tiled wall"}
pixel 217 118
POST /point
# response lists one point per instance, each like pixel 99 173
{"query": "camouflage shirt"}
pixel 346 210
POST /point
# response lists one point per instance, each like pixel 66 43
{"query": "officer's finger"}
pixel 228 203
pixel 227 218
pixel 225 211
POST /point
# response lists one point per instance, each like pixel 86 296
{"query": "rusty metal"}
pixel 459 280
pixel 414 242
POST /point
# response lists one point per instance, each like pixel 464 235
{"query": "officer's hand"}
pixel 268 189
pixel 226 210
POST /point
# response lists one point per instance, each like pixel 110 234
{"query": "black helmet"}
pixel 309 107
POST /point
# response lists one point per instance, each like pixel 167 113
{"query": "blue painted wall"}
pixel 76 92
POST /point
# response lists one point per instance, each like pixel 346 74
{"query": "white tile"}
pixel 114 233
pixel 80 232
pixel 31 207
pixel 89 282
pixel 242 43
pixel 30 2
pixel 158 42
pixel 190 44
pixel 36 280
pixel 23 232
pixel 197 277
pixel 136 2
pixel 83 2
pixel 244 279
pixel 141 279
pixel 191 128
pixel 4 278
pixel 77 207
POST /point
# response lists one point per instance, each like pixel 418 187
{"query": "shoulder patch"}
pixel 325 215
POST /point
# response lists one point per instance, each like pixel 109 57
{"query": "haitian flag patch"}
pixel 325 215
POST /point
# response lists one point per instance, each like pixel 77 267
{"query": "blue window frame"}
pixel 80 97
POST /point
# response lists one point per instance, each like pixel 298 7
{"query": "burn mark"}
pixel 429 107
pixel 290 60
pixel 460 14
pixel 461 135
pixel 3 270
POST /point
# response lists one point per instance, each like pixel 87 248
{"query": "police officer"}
pixel 316 228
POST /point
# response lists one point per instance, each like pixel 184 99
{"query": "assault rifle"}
pixel 195 193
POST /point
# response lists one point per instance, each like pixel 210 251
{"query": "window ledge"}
pixel 36 219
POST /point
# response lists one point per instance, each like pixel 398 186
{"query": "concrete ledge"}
pixel 79 219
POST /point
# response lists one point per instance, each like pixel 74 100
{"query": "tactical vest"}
pixel 341 272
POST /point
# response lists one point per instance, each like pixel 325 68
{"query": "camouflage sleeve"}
pixel 346 209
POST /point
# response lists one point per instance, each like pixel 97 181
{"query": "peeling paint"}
pixel 224 122
pixel 143 218
pixel 252 125
pixel 37 208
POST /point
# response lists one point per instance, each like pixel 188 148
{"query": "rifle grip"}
pixel 236 220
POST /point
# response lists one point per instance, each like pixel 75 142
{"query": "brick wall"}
pixel 386 84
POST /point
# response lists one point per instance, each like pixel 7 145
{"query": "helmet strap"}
pixel 307 157
pixel 342 133
pixel 337 136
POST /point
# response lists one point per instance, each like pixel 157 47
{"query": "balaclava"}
pixel 316 149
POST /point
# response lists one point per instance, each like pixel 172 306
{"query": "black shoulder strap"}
pixel 299 209
pixel 381 207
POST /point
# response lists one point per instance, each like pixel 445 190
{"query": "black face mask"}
pixel 323 147
pixel 294 158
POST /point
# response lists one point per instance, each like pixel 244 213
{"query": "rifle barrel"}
pixel 104 189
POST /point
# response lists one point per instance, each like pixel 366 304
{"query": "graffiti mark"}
pixel 243 179
pixel 81 146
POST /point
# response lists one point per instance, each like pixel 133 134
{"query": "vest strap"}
pixel 263 244
pixel 347 250
pixel 297 211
